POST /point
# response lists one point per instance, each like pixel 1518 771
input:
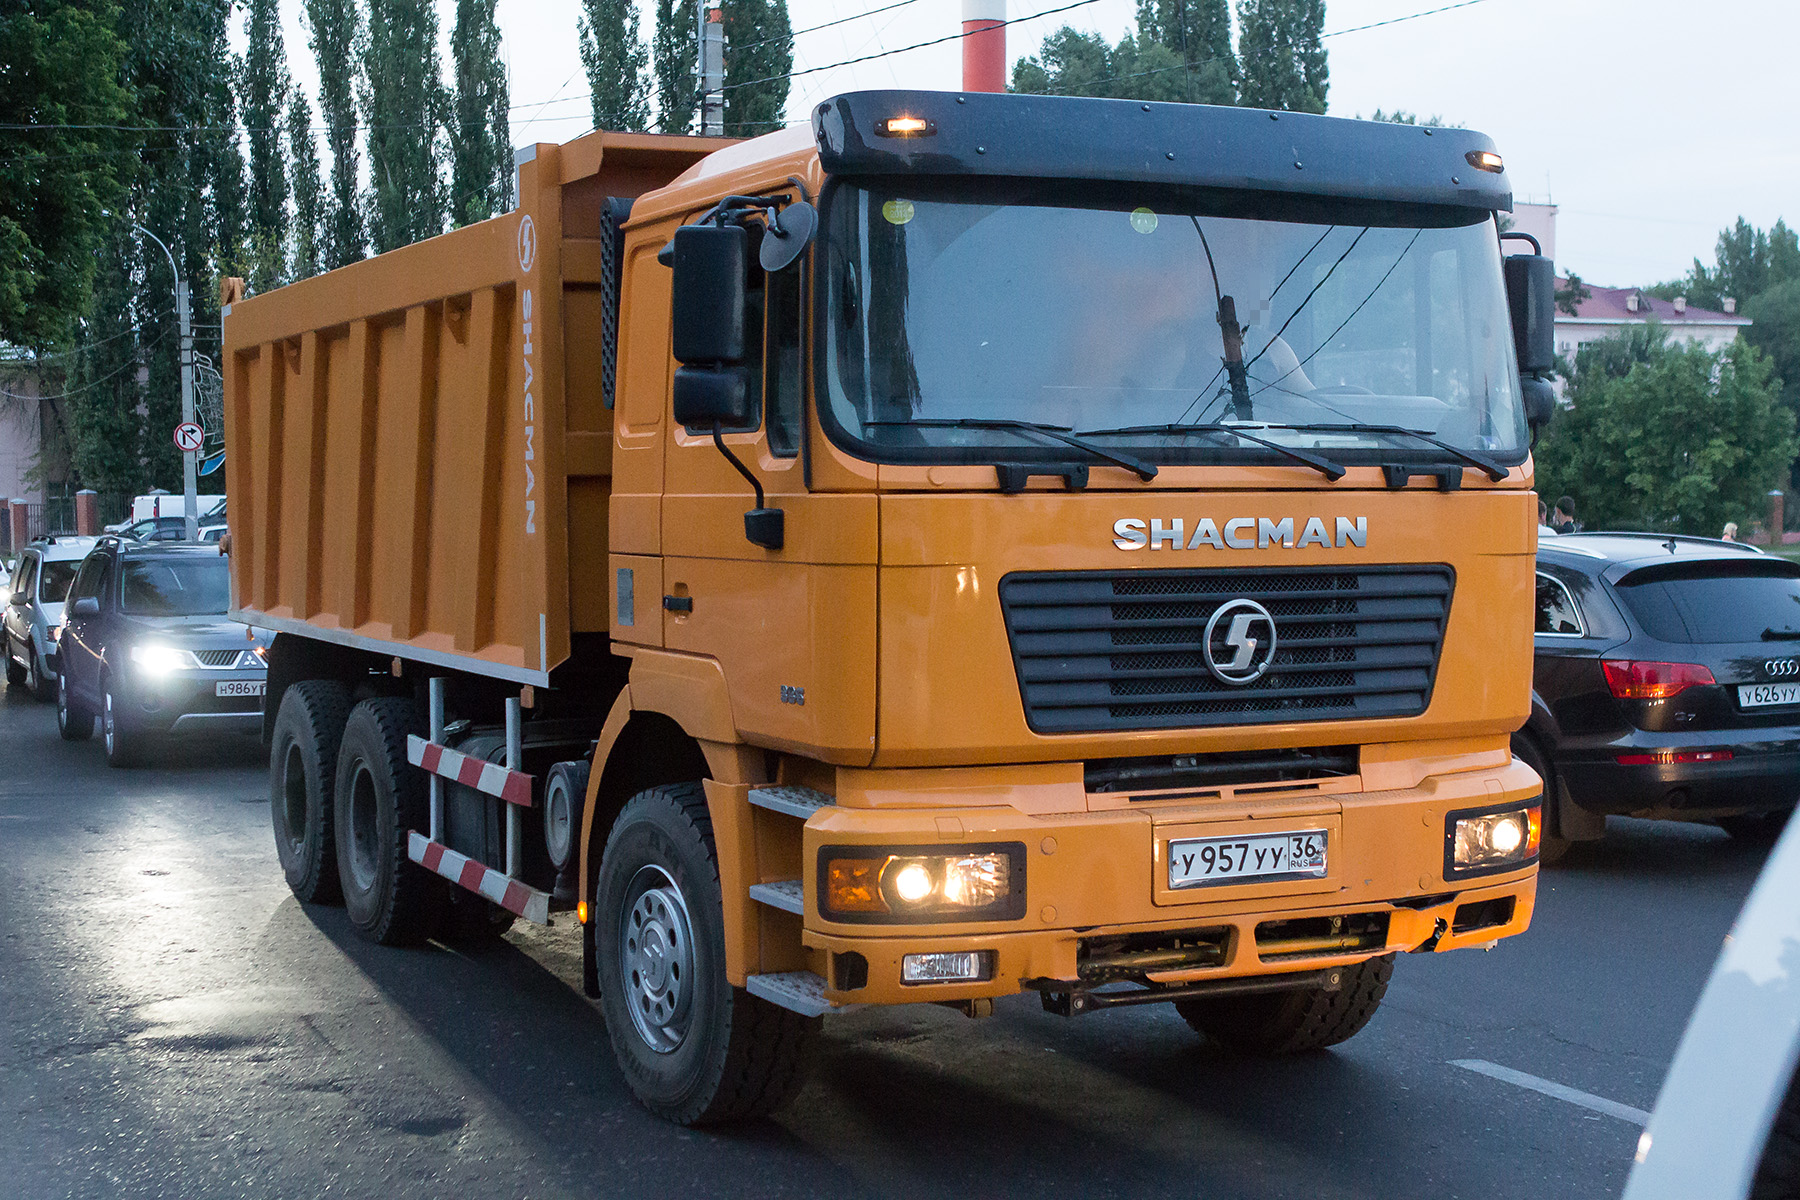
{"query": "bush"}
pixel 1667 436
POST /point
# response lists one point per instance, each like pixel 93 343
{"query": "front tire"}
pixel 303 753
pixel 41 688
pixel 123 748
pixel 73 722
pixel 379 798
pixel 15 674
pixel 1526 750
pixel 1274 1023
pixel 694 1049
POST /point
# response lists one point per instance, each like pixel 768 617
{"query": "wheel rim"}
pixel 656 960
pixel 62 701
pixel 293 794
pixel 365 838
pixel 106 722
pixel 557 820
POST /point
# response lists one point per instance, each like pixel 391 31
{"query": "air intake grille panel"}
pixel 1104 650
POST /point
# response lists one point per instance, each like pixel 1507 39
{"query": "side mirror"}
pixel 1540 400
pixel 711 263
pixel 708 396
pixel 87 606
pixel 1531 299
pixel 21 598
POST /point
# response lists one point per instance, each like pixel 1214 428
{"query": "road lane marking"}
pixel 1587 1100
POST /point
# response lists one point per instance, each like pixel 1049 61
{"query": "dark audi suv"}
pixel 1667 684
pixel 146 649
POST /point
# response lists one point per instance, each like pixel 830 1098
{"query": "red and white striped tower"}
pixel 984 45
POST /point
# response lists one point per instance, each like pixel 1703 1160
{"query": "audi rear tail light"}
pixel 1652 680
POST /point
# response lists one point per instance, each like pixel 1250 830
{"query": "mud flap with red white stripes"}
pixel 479 878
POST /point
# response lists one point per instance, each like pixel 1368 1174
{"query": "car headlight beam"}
pixel 153 659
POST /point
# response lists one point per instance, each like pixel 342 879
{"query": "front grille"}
pixel 1102 650
pixel 217 658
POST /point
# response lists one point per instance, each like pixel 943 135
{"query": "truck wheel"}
pixel 123 748
pixel 1291 1022
pixel 302 771
pixel 565 794
pixel 1526 750
pixel 378 798
pixel 694 1049
pixel 76 724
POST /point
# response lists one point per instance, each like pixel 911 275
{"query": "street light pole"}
pixel 190 469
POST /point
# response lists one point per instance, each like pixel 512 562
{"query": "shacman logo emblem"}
pixel 1240 533
pixel 1240 642
pixel 527 243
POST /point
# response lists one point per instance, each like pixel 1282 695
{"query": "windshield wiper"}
pixel 1781 635
pixel 1493 470
pixel 1317 462
pixel 1143 470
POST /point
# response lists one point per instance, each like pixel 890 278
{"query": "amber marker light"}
pixel 1485 160
pixel 853 885
pixel 905 127
pixel 581 912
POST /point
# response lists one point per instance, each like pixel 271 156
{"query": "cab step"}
pixel 800 991
pixel 789 895
pixel 800 802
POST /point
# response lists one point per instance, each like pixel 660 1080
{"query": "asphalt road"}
pixel 173 1023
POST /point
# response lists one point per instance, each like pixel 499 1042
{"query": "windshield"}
pixel 1096 310
pixel 53 583
pixel 174 588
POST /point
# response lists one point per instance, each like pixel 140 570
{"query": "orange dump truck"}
pixel 964 545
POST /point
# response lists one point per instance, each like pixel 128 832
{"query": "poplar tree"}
pixel 309 193
pixel 403 106
pixel 614 56
pixel 265 93
pixel 759 53
pixel 336 29
pixel 1281 55
pixel 61 62
pixel 675 61
pixel 480 144
pixel 1199 34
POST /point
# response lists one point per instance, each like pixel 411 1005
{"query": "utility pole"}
pixel 712 69
pixel 190 459
pixel 190 477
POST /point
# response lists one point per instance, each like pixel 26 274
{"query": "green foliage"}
pixel 106 434
pixel 1667 435
pixel 480 143
pixel 759 53
pixel 404 105
pixel 1072 63
pixel 1571 294
pixel 674 53
pixel 265 92
pixel 615 59
pixel 1401 116
pixel 1747 261
pixel 59 64
pixel 336 30
pixel 1281 55
pixel 309 192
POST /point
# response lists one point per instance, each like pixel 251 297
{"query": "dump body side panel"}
pixel 419 444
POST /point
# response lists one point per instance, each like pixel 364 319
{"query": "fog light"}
pixel 1485 840
pixel 962 966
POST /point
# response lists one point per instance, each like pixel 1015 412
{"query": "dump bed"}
pixel 419 446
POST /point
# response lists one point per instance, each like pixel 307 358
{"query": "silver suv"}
pixel 33 611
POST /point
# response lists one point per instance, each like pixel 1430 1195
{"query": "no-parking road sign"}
pixel 188 437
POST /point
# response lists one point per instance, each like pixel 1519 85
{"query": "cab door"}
pixel 794 627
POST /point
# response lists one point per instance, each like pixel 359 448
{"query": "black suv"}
pixel 1666 684
pixel 147 649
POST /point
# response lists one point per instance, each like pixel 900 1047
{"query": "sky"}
pixel 1652 124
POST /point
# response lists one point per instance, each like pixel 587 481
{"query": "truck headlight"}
pixel 922 883
pixel 1481 841
pixel 160 660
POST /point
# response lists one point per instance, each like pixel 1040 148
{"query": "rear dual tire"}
pixel 303 753
pixel 379 798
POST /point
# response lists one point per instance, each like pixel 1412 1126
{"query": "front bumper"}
pixel 1763 773
pixel 186 702
pixel 1096 877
